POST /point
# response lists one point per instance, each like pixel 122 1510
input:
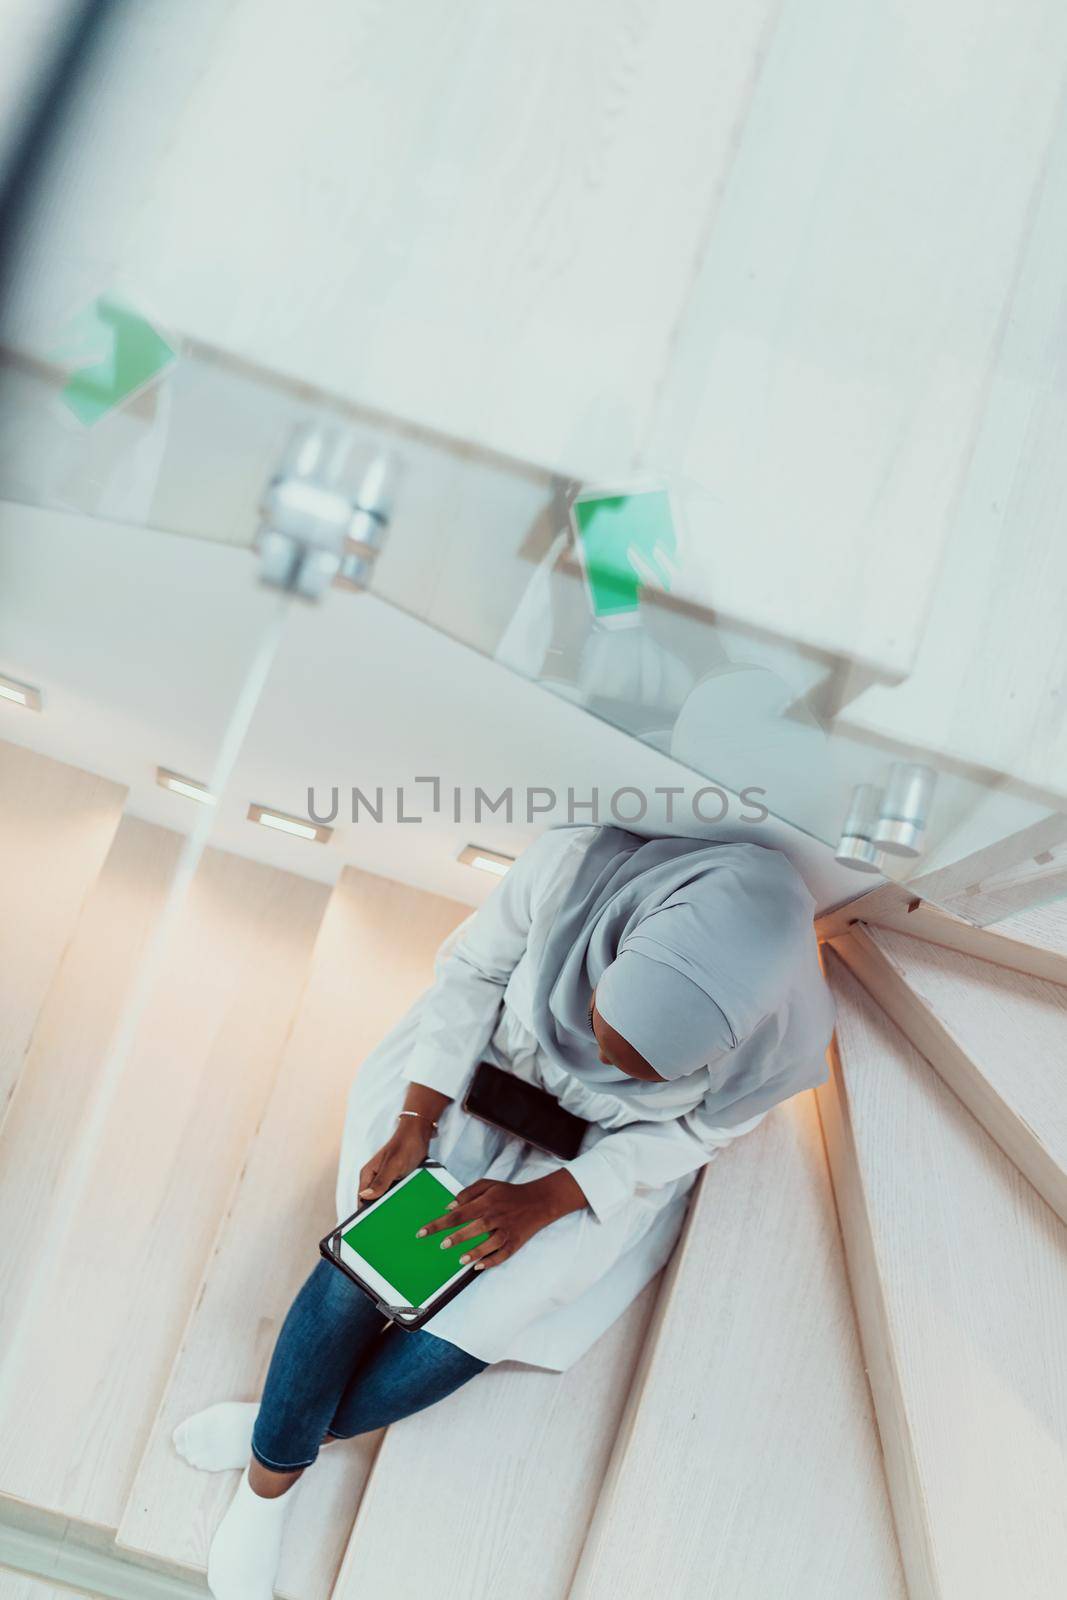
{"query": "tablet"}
pixel 408 1278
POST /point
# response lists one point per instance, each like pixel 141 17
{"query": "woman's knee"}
pixel 333 1289
pixel 330 1300
pixel 409 1371
pixel 437 1363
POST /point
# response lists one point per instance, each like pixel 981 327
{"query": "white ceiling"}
pixel 140 642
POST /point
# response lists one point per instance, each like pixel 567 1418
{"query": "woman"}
pixel 665 990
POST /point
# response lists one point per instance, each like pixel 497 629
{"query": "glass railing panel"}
pixel 491 553
pixel 741 707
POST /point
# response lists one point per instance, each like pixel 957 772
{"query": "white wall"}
pixel 770 248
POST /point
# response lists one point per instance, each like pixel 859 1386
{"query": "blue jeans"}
pixel 339 1368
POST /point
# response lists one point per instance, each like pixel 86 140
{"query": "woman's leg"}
pixel 220 1437
pixel 330 1328
pixel 403 1373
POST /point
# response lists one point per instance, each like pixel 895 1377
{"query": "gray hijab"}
pixel 702 955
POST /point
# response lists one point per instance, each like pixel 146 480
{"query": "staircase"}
pixel 848 1384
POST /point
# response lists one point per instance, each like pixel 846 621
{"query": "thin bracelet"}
pixel 422 1114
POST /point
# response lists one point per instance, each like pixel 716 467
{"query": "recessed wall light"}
pixel 20 694
pixel 186 786
pixel 494 861
pixel 299 827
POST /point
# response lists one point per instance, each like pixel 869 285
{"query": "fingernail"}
pixel 446 1244
pixel 421 1234
pixel 463 1260
pixel 478 1265
pixel 365 1193
pixel 451 1206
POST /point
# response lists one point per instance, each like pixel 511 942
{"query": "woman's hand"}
pixel 409 1145
pixel 399 1155
pixel 511 1213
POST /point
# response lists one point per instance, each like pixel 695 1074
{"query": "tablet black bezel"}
pixel 403 1316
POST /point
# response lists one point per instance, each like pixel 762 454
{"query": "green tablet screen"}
pixel 385 1238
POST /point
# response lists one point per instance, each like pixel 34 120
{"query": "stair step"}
pixel 22 1586
pixel 1033 941
pixel 997 1037
pixel 748 1463
pixel 1042 929
pixel 373 954
pixel 71 1033
pixel 87 1372
pixel 959 1273
pixel 39 1552
pixel 56 826
pixel 504 1474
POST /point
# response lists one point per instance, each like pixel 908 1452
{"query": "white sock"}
pixel 242 1563
pixel 218 1439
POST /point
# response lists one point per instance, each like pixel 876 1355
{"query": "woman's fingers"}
pixel 367 1180
pixel 490 1254
pixel 474 1191
pixel 384 1168
pixel 464 1208
pixel 450 1220
pixel 435 1226
pixel 461 1235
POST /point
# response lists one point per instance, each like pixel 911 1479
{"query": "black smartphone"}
pixel 524 1110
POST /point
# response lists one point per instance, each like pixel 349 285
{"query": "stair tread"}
pixel 57 826
pixel 373 954
pixel 750 1434
pixel 1011 1026
pixel 505 1475
pixel 1044 927
pixel 89 1371
pixel 1033 941
pixel 26 1586
pixel 73 1028
pixel 960 1277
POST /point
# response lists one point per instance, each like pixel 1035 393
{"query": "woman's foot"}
pixel 242 1563
pixel 218 1439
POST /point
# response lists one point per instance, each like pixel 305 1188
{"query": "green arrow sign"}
pixel 121 352
pixel 625 540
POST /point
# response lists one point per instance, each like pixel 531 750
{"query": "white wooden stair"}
pixel 997 1037
pixel 71 1034
pixel 748 1463
pixel 1033 941
pixel 107 1321
pixel 504 1476
pixel 719 1439
pixel 959 1273
pixel 21 1586
pixel 374 953
pixel 56 826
